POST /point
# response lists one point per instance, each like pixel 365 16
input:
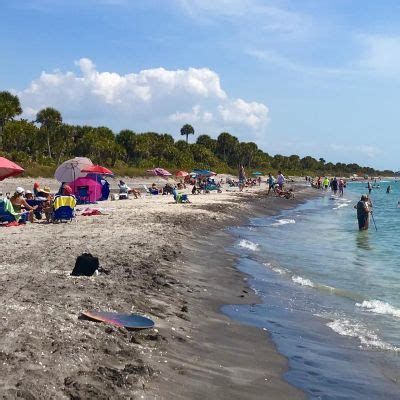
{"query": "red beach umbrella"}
pixel 8 168
pixel 97 169
pixel 182 173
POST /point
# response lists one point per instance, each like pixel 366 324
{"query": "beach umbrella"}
pixel 182 174
pixel 9 168
pixel 97 170
pixel 257 173
pixel 159 172
pixel 203 173
pixel 70 170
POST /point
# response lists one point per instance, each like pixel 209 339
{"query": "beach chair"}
pixel 83 194
pixel 148 191
pixel 179 197
pixel 64 208
pixel 123 192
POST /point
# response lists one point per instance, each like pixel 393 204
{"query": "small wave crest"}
pixel 302 281
pixel 279 270
pixel 247 244
pixel 341 206
pixel 367 338
pixel 283 221
pixel 379 307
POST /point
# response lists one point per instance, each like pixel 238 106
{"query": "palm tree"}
pixel 9 108
pixel 187 130
pixel 49 118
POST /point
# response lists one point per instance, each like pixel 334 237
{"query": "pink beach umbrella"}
pixel 9 168
pixel 159 172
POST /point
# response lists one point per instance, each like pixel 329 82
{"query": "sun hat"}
pixel 46 189
pixel 19 190
pixel 28 192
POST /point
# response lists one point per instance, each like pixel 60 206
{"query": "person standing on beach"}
pixel 363 211
pixel 242 178
pixel 271 183
pixel 341 187
pixel 334 185
pixel 281 180
pixel 325 183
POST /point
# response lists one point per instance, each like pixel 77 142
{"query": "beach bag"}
pixel 85 265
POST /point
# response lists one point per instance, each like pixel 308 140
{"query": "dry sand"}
pixel 157 257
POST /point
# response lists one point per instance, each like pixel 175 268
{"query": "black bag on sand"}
pixel 85 265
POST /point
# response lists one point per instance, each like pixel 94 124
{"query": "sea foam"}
pixel 283 221
pixel 379 307
pixel 302 281
pixel 367 338
pixel 247 244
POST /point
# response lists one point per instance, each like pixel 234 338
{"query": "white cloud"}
pixel 195 115
pixel 381 54
pixel 149 99
pixel 265 17
pixel 253 114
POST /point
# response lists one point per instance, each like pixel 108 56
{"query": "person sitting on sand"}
pixel 19 203
pixel 155 190
pixel 124 188
pixel 287 194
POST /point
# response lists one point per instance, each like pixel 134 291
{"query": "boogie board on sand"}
pixel 129 321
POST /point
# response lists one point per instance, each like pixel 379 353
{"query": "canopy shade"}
pixel 9 168
pixel 70 170
pixel 257 173
pixel 203 172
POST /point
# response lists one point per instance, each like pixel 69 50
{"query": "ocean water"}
pixel 330 294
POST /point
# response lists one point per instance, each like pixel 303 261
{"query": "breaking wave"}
pixel 379 307
pixel 247 244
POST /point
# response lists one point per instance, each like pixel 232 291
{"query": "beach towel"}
pixel 64 201
pixel 8 208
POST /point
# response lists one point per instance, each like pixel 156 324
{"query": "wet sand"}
pixel 162 260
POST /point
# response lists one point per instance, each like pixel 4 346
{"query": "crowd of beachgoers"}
pixel 41 204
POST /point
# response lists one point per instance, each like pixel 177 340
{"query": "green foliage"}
pixel 40 150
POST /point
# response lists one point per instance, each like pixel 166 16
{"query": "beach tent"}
pixel 9 168
pixel 70 170
pixel 257 173
pixel 94 188
pixel 97 171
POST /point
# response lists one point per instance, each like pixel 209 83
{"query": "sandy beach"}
pixel 163 260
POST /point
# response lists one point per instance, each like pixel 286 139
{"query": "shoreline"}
pixel 223 358
pixel 154 255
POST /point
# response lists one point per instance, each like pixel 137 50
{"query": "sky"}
pixel 305 77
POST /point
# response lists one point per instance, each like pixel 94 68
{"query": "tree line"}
pixel 42 144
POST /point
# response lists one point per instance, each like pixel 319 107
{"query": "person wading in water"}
pixel 363 210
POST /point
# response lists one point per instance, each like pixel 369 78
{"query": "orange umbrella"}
pixel 182 173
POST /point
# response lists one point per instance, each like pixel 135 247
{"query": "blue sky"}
pixel 307 77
